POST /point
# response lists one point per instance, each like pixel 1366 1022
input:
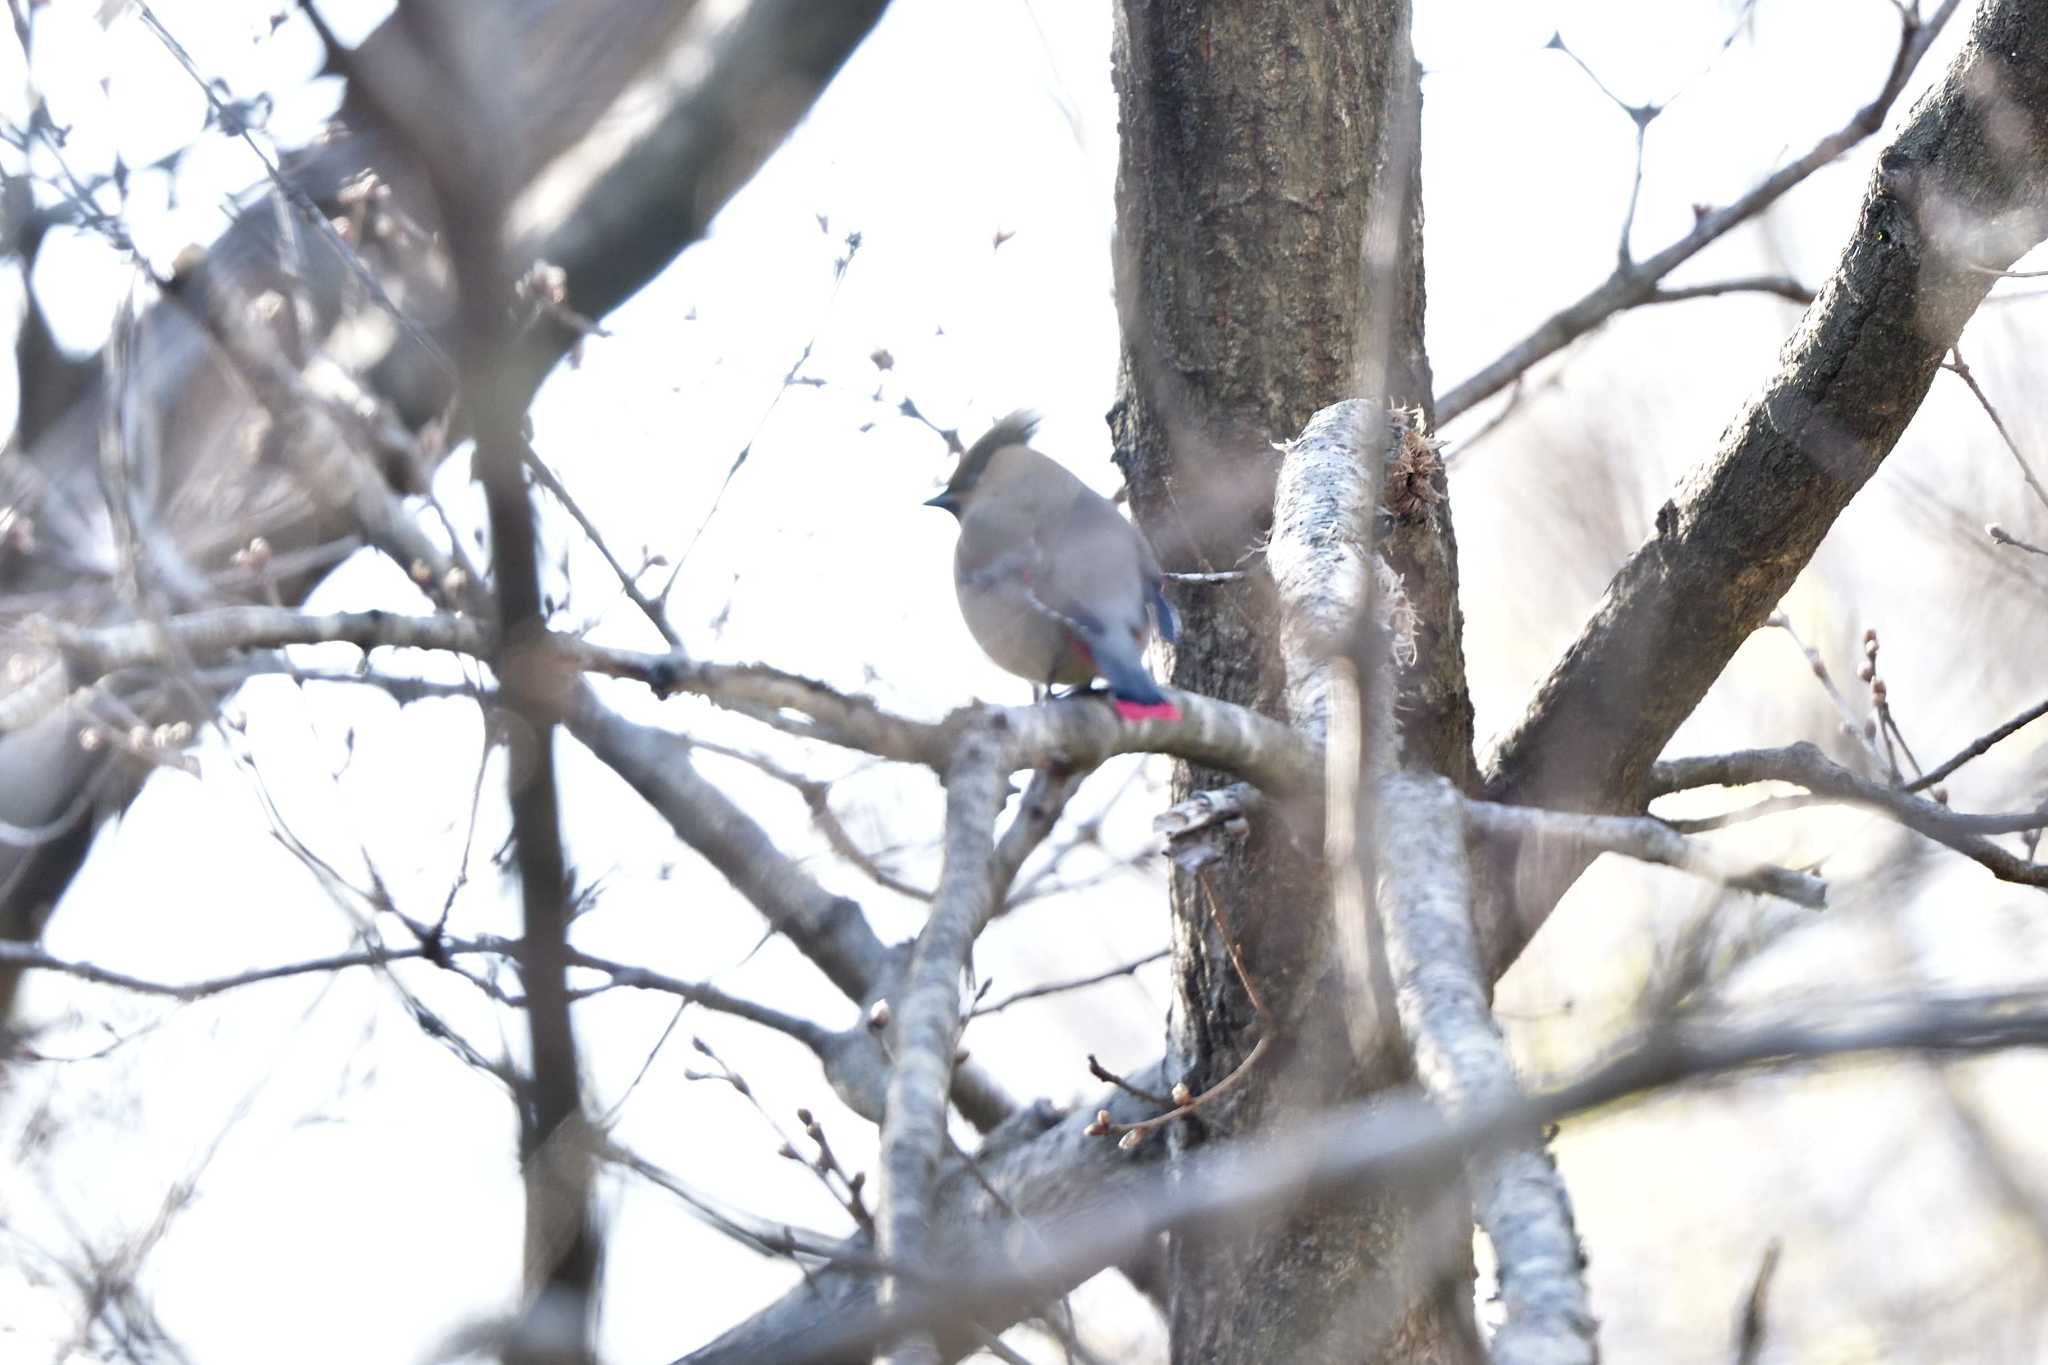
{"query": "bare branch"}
pixel 1635 283
pixel 1076 734
pixel 2000 536
pixel 1806 766
pixel 1224 806
pixel 817 795
pixel 1784 286
pixel 1028 1179
pixel 1339 696
pixel 1320 555
pixel 28 955
pixel 1037 813
pixel 1752 1326
pixel 628 584
pixel 473 193
pixel 1647 840
pixel 622 204
pixel 808 1032
pixel 339 453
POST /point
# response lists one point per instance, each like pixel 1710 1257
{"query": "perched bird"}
pixel 1055 585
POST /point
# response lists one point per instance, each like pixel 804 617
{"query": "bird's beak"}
pixel 943 500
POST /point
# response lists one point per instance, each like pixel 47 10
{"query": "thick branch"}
pixel 624 203
pixel 928 1014
pixel 1320 556
pixel 1960 188
pixel 1441 995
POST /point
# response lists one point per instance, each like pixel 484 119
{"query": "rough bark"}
pixel 1960 190
pixel 1268 263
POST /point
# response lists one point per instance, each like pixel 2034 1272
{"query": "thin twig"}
pixel 648 607
pixel 1979 746
pixel 1784 286
pixel 1129 1135
pixel 1079 983
pixel 2001 536
pixel 1125 1084
pixel 1751 1326
pixel 1955 366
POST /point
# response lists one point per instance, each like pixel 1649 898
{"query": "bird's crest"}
pixel 1014 430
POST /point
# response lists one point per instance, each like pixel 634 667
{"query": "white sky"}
pixel 363 1201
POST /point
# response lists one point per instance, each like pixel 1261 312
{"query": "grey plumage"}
pixel 1054 584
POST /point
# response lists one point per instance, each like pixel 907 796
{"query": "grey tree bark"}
pixel 1269 262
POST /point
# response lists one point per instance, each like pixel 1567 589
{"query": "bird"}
pixel 1054 584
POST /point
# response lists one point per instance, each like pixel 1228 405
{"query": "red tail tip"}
pixel 1147 710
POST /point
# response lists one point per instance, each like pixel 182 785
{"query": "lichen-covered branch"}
pixel 1424 903
pixel 928 1016
pixel 1320 555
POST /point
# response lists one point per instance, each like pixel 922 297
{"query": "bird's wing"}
pixel 1093 561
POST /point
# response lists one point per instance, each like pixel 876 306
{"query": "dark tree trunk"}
pixel 1269 262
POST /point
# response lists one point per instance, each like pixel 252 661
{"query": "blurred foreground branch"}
pixel 1396 1140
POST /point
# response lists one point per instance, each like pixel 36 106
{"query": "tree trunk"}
pixel 1269 262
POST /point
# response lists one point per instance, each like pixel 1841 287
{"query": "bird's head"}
pixel 959 492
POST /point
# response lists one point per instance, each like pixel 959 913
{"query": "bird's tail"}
pixel 1131 688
